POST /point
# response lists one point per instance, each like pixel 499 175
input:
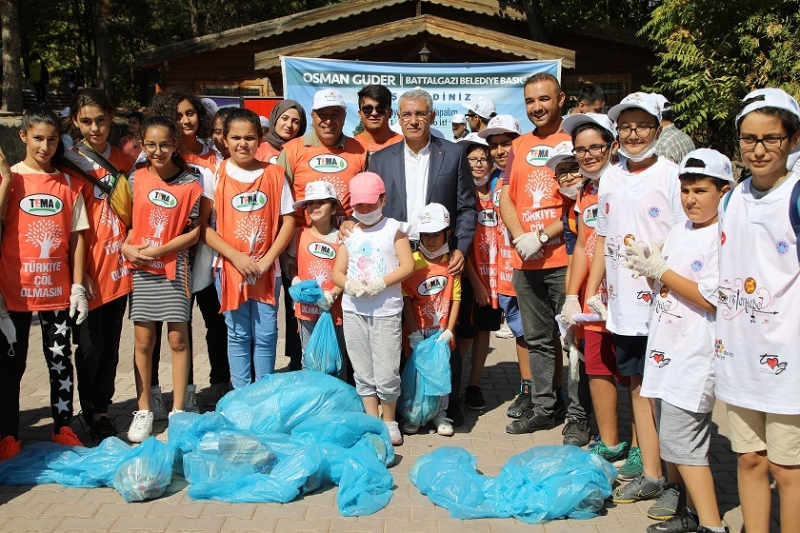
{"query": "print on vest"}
pixel 339 186
pixel 162 198
pixel 97 192
pixel 367 266
pixel 158 220
pixel 487 218
pixel 110 219
pixel 436 309
pixel 659 359
pixel 195 170
pixel 247 202
pixel 45 235
pixel 320 270
pixel 745 296
pixel 539 187
pixel 590 216
pixel 771 364
pixel 488 245
pixel 539 155
pixel 432 286
pixel 41 205
pixel 327 163
pixel 252 229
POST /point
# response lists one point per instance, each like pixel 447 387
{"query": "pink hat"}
pixel 366 188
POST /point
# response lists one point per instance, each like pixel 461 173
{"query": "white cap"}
pixel 458 118
pixel 264 121
pixel 328 98
pixel 483 107
pixel 714 164
pixel 769 97
pixel 571 123
pixel 317 190
pixel 501 124
pixel 472 138
pixel 562 153
pixel 210 105
pixel 644 101
pixel 663 103
pixel 432 218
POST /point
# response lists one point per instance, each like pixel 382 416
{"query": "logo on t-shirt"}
pixel 645 296
pixel 162 198
pixel 41 205
pixel 432 285
pixel 539 155
pixel 247 202
pixel 654 212
pixel 327 163
pixel 771 364
pixel 783 247
pixel 697 265
pixel 659 358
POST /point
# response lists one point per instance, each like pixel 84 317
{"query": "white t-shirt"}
pixel 757 359
pixel 639 207
pixel 679 364
pixel 371 255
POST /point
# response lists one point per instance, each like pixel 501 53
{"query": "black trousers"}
pixel 58 355
pixel 293 348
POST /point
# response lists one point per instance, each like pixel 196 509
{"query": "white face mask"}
pixel 436 253
pixel 368 219
pixel 570 192
pixel 596 175
pixel 638 158
pixel 483 181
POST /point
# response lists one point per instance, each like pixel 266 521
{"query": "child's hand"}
pixel 345 229
pixel 133 253
pixel 415 338
pixel 354 288
pixel 151 252
pixel 481 294
pixel 571 308
pixel 326 301
pixel 78 303
pixel 89 285
pixel 246 266
pixel 596 304
pixel 446 336
pixel 650 265
pixel 375 287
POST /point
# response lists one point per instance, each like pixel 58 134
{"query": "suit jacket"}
pixel 449 183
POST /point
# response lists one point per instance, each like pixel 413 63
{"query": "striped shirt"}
pixel 673 144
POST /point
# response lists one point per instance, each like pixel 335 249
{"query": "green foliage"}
pixel 713 53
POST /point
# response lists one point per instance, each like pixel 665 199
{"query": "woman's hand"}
pixel 246 266
pixel 133 253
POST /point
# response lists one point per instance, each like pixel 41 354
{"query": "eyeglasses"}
pixel 642 131
pixel 563 174
pixel 771 142
pixel 593 150
pixel 422 116
pixel 477 160
pixel 163 147
pixel 368 109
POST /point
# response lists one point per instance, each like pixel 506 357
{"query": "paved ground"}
pixel 53 508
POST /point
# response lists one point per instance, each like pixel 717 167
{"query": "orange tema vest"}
pixel 431 292
pixel 207 160
pixel 587 202
pixel 266 153
pixel 534 190
pixel 35 250
pixel 505 250
pixel 105 264
pixel 161 213
pixel 321 163
pixel 372 147
pixel 483 253
pixel 248 215
pixel 315 258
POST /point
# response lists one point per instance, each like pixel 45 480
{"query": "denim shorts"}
pixel 510 308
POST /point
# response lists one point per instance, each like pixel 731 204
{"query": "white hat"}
pixel 264 121
pixel 644 101
pixel 483 107
pixel 769 97
pixel 432 218
pixel 571 123
pixel 562 153
pixel 663 103
pixel 458 118
pixel 328 98
pixel 501 124
pixel 713 164
pixel 317 190
pixel 472 138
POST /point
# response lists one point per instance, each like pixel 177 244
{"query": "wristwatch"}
pixel 543 237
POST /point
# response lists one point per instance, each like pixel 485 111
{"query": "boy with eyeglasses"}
pixel 374 110
pixel 638 202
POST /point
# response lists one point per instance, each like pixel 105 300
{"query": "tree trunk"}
pixel 12 74
pixel 536 25
pixel 103 45
pixel 194 16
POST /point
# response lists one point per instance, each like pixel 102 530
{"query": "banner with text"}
pixel 453 86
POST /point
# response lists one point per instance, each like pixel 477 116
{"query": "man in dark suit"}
pixel 424 169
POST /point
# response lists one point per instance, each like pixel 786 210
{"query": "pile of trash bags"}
pixel 425 380
pixel 286 435
pixel 543 483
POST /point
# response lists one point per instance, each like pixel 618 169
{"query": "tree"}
pixel 46 235
pixel 488 245
pixel 321 270
pixel 539 186
pixel 251 229
pixel 158 220
pixel 103 46
pixel 12 73
pixel 436 309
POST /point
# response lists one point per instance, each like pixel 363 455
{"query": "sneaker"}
pixel 705 529
pixel 454 413
pixel 394 432
pixel 408 428
pixel 141 427
pixel 520 404
pixel 444 426
pixel 103 428
pixel 684 521
pixel 641 488
pixel 633 466
pixel 504 332
pixel 157 408
pixel 190 401
pixel 530 422
pixel 66 437
pixel 577 433
pixel 668 503
pixel 175 411
pixel 215 393
pixel 473 399
pixel 614 455
pixel 9 447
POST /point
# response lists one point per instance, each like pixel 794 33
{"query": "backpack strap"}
pixel 90 153
pixel 794 213
pixel 68 163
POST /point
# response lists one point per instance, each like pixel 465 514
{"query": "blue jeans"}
pixel 252 338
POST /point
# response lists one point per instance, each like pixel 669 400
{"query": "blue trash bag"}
pixel 238 448
pixel 543 483
pixel 186 430
pixel 425 379
pixel 348 430
pixel 279 402
pixel 365 485
pixel 147 473
pixel 322 350
pixel 307 292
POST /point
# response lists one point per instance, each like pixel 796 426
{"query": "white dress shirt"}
pixel 417 168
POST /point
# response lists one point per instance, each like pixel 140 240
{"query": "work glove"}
pixel 78 303
pixel 528 245
pixel 375 287
pixel 326 301
pixel 415 338
pixel 648 263
pixel 596 304
pixel 296 280
pixel 571 308
pixel 355 288
pixel 446 336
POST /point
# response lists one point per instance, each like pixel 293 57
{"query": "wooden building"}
pixel 245 61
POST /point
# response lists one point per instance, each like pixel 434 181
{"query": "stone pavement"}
pixel 53 508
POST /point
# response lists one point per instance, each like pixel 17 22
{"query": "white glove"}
pixel 528 245
pixel 78 303
pixel 650 265
pixel 446 336
pixel 354 287
pixel 326 301
pixel 415 338
pixel 375 287
pixel 596 304
pixel 571 308
pixel 296 280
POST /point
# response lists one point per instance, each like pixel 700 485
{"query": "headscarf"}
pixel 272 137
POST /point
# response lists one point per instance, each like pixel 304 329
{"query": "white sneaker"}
pixel 504 332
pixel 190 401
pixel 444 426
pixel 394 432
pixel 157 403
pixel 141 427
